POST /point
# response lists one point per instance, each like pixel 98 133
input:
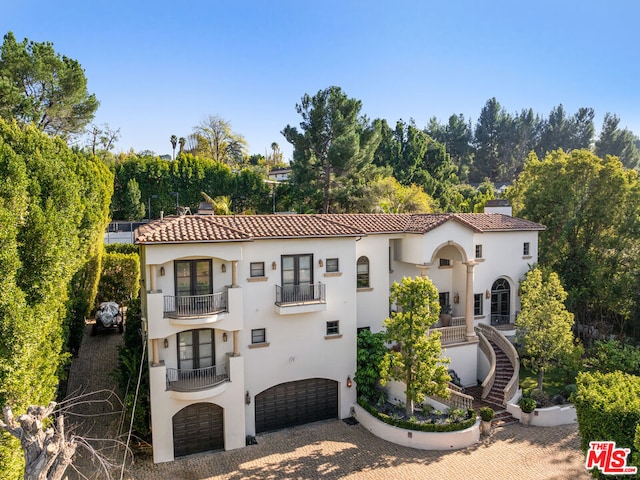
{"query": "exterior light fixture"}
pixel 273 265
pixel 166 343
pixel 456 298
pixel 487 294
pixel 224 337
pixel 162 271
pixel 320 264
pixel 247 398
pixel 349 381
pixel 224 268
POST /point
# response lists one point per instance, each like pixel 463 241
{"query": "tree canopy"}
pixel 333 151
pixel 591 209
pixel 39 86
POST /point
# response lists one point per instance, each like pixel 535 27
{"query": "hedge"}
pixel 608 408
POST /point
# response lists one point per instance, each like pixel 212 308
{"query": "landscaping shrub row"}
pixel 422 427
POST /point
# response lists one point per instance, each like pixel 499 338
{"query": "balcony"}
pixel 193 384
pixel 190 306
pixel 502 320
pixel 291 299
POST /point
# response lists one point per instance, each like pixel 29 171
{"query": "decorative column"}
pixel 423 269
pixel 154 351
pixel 236 351
pixel 234 274
pixel 152 278
pixel 468 311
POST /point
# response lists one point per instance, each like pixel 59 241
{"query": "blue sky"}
pixel 158 68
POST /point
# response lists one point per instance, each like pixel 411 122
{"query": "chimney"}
pixel 498 206
pixel 161 214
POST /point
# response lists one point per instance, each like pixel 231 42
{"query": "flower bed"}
pixel 429 436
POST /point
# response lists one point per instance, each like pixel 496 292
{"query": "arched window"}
pixel 363 272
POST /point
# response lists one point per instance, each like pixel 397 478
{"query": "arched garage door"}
pixel 296 403
pixel 198 428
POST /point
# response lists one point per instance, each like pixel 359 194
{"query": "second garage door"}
pixel 296 403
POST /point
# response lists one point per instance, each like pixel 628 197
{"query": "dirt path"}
pixel 94 410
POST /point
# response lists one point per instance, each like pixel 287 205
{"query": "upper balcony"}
pixel 190 306
pixel 170 314
pixel 292 299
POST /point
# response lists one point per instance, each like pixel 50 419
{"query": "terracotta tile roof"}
pixel 208 228
pixel 488 222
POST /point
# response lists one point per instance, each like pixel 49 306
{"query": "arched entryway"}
pixel 501 302
pixel 296 403
pixel 198 428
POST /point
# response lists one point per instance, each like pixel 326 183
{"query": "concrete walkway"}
pixel 332 450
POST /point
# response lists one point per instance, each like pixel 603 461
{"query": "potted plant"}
pixel 445 315
pixel 486 415
pixel 527 405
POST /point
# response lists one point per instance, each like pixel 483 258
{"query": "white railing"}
pixel 451 334
pixel 456 399
pixel 193 380
pixel 505 345
pixel 192 305
pixel 486 348
pixel 458 322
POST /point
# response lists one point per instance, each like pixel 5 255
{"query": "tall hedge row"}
pixel 53 209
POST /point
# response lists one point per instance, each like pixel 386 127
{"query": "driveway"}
pixel 333 449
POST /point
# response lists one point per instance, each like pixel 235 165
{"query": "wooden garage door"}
pixel 296 403
pixel 198 428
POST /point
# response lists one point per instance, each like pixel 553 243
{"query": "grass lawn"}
pixel 554 381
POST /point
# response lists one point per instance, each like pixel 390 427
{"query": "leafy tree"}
pixel 38 85
pixel 590 208
pixel 392 197
pixel 333 151
pixel 213 138
pixel 416 361
pixel 614 355
pixel 567 133
pixel 618 142
pixel 120 278
pixel 544 324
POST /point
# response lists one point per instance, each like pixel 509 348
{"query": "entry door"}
pixel 297 277
pixel 500 302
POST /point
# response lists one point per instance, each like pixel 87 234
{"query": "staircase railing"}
pixel 486 348
pixel 456 399
pixel 505 345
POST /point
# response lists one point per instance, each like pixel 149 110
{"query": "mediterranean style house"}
pixel 252 320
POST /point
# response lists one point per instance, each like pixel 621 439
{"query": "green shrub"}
pixel 370 354
pixel 120 279
pixel 608 409
pixel 614 355
pixel 421 427
pixel 487 414
pixel 527 404
pixel 540 397
pixel 126 248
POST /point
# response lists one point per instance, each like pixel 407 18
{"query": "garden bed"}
pixel 423 436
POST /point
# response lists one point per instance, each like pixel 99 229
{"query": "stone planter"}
pixel 485 427
pixel 525 418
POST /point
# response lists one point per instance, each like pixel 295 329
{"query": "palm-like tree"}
pixel 174 142
pixel 182 141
